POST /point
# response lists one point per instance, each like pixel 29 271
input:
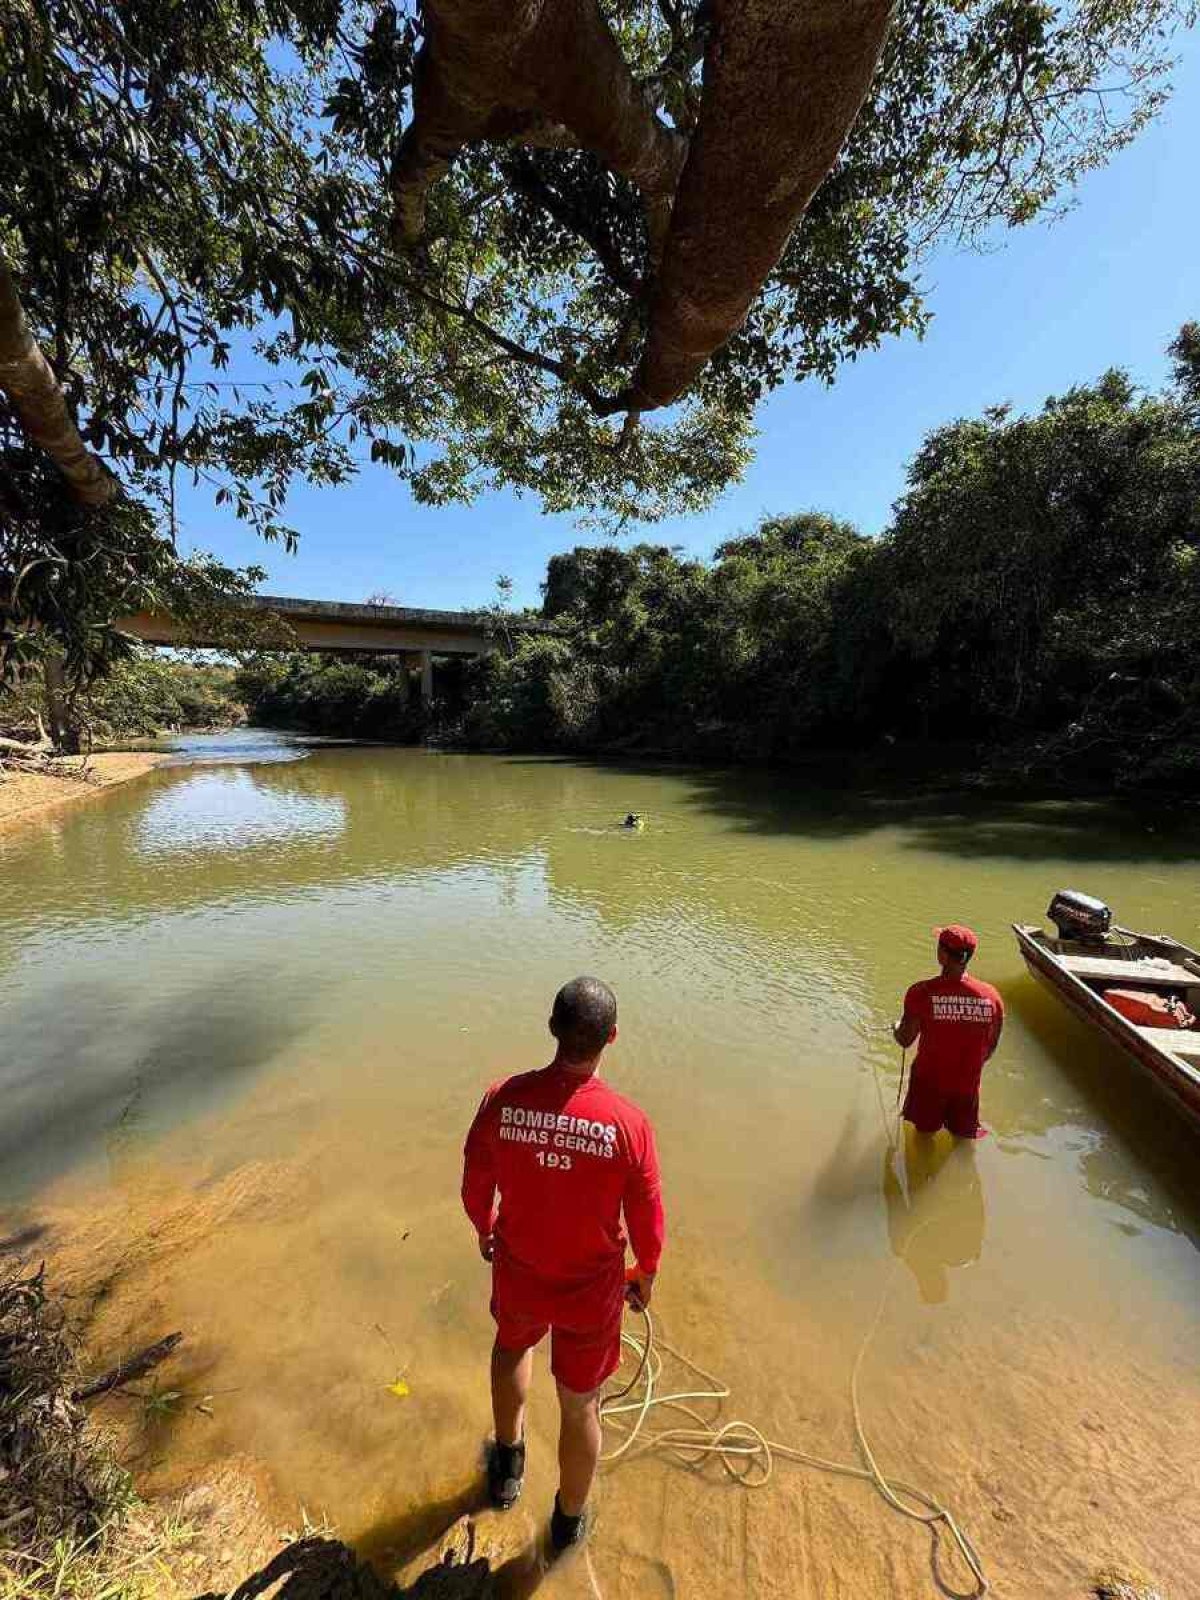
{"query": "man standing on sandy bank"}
pixel 958 1021
pixel 553 1160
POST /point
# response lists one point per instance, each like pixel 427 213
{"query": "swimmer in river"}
pixel 958 1021
pixel 553 1162
pixel 632 820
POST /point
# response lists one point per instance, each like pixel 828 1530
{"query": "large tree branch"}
pixel 578 76
pixel 36 399
pixel 486 64
pixel 783 84
pixel 450 110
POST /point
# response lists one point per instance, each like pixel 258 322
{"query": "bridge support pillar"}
pixel 425 659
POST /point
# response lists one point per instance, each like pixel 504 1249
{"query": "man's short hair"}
pixel 584 1016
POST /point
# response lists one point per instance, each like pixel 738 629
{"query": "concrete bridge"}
pixel 339 626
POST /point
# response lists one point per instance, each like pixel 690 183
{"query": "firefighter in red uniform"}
pixel 958 1021
pixel 553 1161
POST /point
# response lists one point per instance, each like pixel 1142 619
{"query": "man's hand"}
pixel 639 1288
pixel 487 1245
pixel 905 1030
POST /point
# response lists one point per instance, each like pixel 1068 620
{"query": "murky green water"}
pixel 312 967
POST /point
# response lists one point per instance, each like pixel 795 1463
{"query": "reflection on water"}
pixel 259 745
pixel 234 810
pixel 252 1008
pixel 935 1209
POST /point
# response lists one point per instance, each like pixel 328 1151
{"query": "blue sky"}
pixel 1053 305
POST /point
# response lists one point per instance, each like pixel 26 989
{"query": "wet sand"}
pixel 26 796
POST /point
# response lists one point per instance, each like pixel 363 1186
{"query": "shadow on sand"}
pixel 463 1564
pixel 86 1060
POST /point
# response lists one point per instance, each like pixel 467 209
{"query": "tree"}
pixel 123 235
pixel 1045 570
pixel 482 239
pixel 68 574
pixel 1035 599
pixel 1185 353
pixel 670 151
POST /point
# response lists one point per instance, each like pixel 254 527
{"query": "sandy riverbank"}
pixel 26 795
pixel 1069 1476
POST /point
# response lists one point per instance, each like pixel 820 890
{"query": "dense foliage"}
pixel 365 698
pixel 142 695
pixel 1035 604
pixel 153 693
pixel 192 196
pixel 67 576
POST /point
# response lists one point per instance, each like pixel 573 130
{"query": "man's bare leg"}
pixel 512 1371
pixel 578 1448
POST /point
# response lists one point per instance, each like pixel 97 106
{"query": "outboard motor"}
pixel 1079 916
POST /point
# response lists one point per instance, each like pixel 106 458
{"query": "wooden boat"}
pixel 1080 970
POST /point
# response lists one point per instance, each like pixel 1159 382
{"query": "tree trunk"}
pixel 783 84
pixel 447 116
pixel 36 399
pixel 63 730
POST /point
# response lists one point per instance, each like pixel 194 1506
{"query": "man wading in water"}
pixel 568 1156
pixel 958 1020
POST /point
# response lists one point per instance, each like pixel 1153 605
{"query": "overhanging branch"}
pixel 36 399
pixel 487 66
pixel 753 166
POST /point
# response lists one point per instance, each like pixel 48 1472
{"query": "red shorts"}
pixel 929 1108
pixel 585 1338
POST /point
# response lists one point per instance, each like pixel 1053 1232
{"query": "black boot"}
pixel 566 1531
pixel 506 1473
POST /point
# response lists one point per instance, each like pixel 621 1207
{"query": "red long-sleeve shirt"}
pixel 567 1156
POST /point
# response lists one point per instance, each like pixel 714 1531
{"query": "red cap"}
pixel 957 939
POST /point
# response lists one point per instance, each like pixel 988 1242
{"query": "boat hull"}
pixel 1178 1083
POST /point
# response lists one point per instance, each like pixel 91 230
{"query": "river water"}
pixel 247 1009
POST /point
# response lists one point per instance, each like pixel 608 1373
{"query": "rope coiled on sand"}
pixel 746 1453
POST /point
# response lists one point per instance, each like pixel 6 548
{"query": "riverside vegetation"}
pixel 140 696
pixel 1031 613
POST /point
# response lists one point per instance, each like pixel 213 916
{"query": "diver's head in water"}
pixel 956 945
pixel 632 820
pixel 584 1021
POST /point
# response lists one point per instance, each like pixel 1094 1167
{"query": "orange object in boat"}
pixel 1150 1010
